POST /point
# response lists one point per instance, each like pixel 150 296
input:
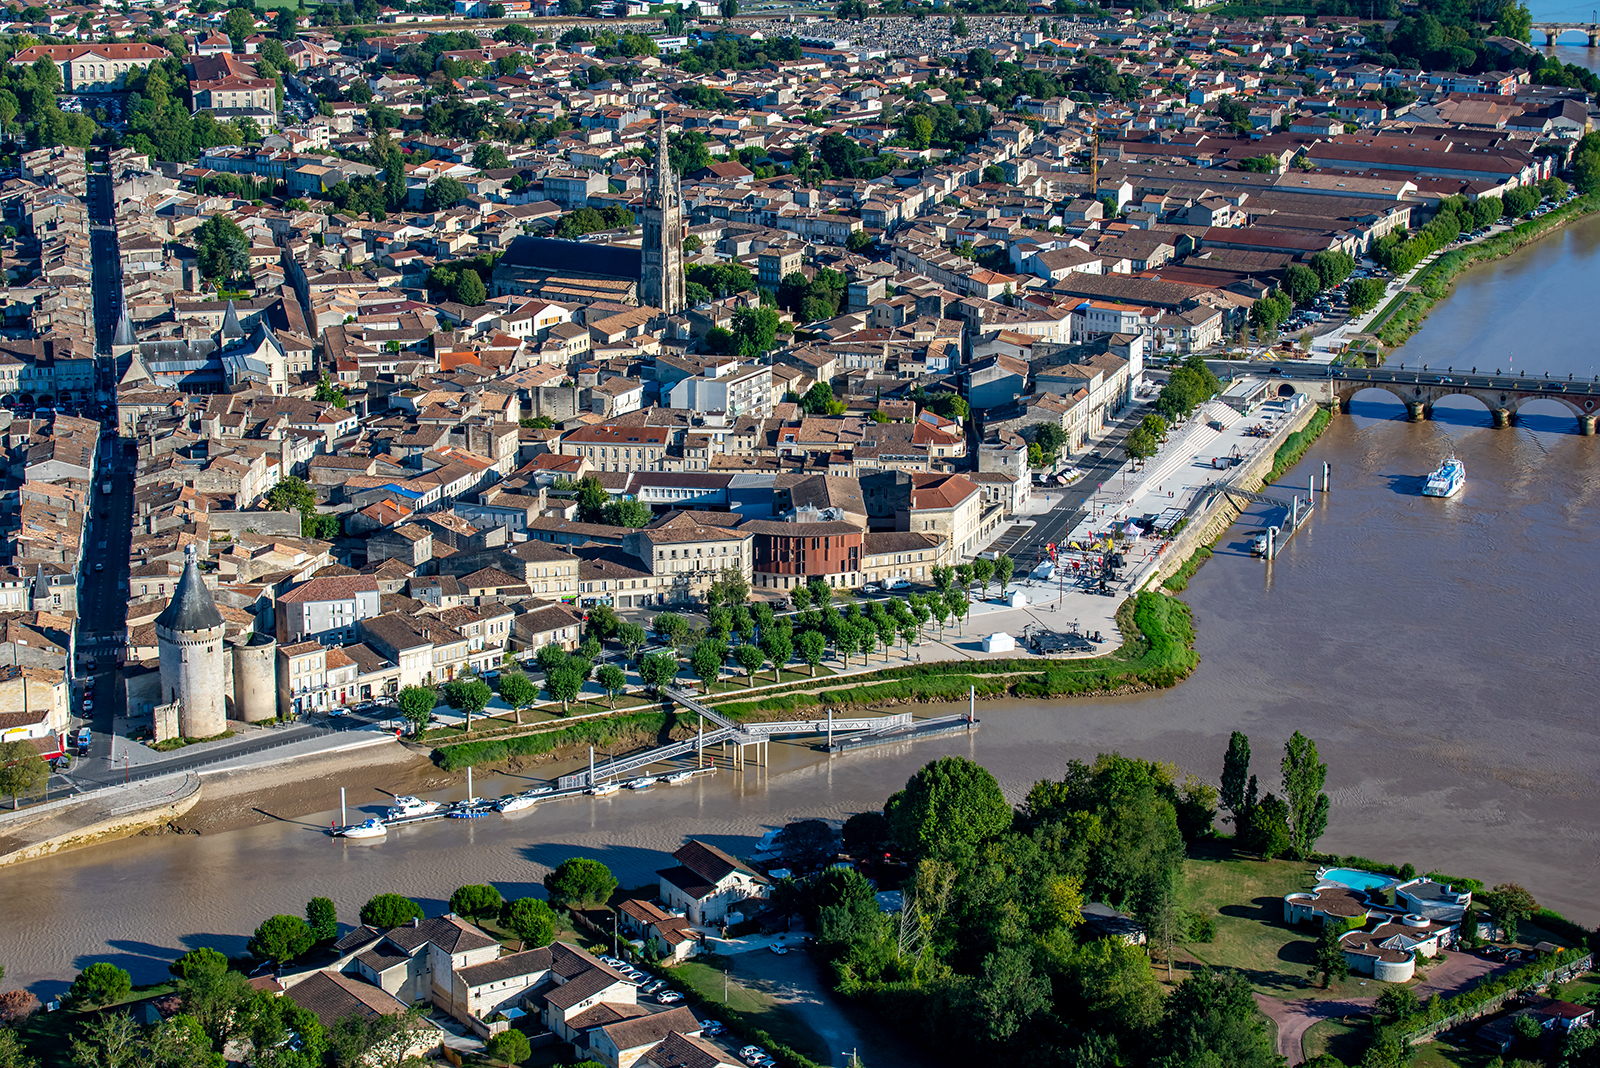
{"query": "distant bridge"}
pixel 1553 30
pixel 1503 395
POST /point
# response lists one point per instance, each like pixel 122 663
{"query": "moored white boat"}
pixel 372 828
pixel 643 782
pixel 405 806
pixel 679 776
pixel 471 808
pixel 516 802
pixel 602 789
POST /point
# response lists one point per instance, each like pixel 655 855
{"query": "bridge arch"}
pixel 1399 390
pixel 1286 389
pixel 1552 33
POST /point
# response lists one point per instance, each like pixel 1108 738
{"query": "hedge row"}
pixel 590 732
pixel 1296 444
pixel 1438 1010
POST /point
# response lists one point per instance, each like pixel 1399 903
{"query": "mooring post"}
pixel 830 729
pixel 972 703
pixel 1324 476
pixel 1294 514
pixel 591 767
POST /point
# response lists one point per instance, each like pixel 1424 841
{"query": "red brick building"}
pixel 791 554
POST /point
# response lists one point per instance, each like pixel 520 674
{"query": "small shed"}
pixel 999 643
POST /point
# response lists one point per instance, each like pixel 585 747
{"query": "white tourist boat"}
pixel 372 828
pixel 406 806
pixel 1447 481
pixel 643 782
pixel 602 789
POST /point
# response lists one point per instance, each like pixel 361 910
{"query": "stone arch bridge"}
pixel 1503 395
pixel 1553 30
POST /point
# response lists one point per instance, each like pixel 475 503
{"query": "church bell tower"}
pixel 661 265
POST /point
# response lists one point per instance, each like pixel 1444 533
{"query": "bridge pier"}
pixel 1586 425
pixel 1502 418
pixel 1344 405
pixel 1416 411
pixel 1594 40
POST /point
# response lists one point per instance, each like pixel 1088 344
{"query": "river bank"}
pixel 1438 279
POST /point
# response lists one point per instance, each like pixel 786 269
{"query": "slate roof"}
pixel 192 607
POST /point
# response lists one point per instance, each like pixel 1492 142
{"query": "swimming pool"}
pixel 1358 880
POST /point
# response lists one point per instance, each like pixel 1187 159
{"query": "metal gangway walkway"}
pixel 728 733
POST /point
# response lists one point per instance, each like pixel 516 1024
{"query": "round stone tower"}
pixel 194 661
pixel 255 682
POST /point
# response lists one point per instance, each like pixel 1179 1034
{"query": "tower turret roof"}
pixel 192 607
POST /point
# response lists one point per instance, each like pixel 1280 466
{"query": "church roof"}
pixel 192 607
pixel 230 322
pixel 124 334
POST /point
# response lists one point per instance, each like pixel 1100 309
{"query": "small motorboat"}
pixel 470 809
pixel 516 802
pixel 406 806
pixel 679 776
pixel 643 782
pixel 539 791
pixel 602 789
pixel 371 828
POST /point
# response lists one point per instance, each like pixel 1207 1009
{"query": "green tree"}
pixel 212 993
pixel 489 158
pixel 947 808
pixel 1509 904
pixel 778 646
pixel 291 494
pixel 1301 283
pixel 1395 1003
pixel 631 636
pixel 1004 568
pixel 509 1047
pixel 580 882
pixel 1266 827
pixel 222 249
pixel 818 400
pixel 1235 774
pixel 469 696
pixel 1303 778
pixel 755 330
pixel 1332 267
pixel 706 661
pixel 1212 1019
pixel 390 910
pixel 475 901
pixel 468 288
pixel 1365 294
pixel 323 919
pixel 281 939
pixel 444 193
pixel 238 24
pixel 633 514
pixel 750 657
pixel 982 572
pixel 1330 959
pixel 592 500
pixel 22 771
pixel 959 27
pixel 565 681
pixel 812 645
pixel 659 671
pixel 1268 312
pixel 11 1055
pixel 517 690
pixel 613 680
pixel 416 706
pixel 531 920
pixel 859 241
pixel 101 983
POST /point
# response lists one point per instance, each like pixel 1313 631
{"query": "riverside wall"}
pixel 101 816
pixel 1218 510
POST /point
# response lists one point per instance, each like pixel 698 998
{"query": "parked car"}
pixel 779 948
pixel 668 997
pixel 652 986
pixel 712 1028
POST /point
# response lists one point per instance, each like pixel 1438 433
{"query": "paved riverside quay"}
pixel 1420 389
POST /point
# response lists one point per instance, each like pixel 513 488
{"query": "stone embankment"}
pixel 101 816
pixel 1216 512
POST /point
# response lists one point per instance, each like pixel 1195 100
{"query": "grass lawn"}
pixel 1443 1054
pixel 1348 1042
pixel 705 982
pixel 1579 990
pixel 1247 897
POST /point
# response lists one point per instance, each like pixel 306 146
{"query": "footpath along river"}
pixel 1440 652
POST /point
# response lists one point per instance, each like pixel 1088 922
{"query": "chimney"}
pixel 415 922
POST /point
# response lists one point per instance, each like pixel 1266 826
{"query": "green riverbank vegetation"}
pixel 994 958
